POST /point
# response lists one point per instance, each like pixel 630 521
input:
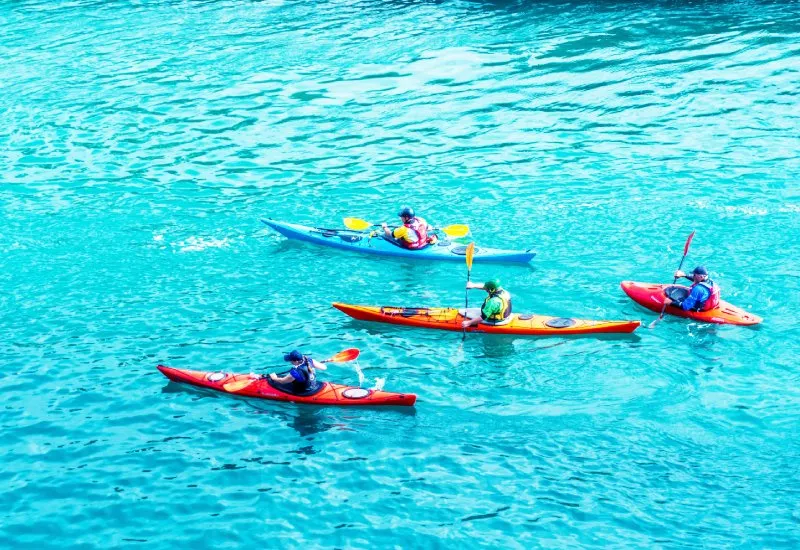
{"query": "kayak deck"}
pixel 260 388
pixel 652 296
pixel 359 241
pixel 443 318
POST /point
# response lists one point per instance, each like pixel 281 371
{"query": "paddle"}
pixel 454 231
pixel 675 279
pixel 342 357
pixel 469 256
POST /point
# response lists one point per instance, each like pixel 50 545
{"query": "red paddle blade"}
pixel 344 356
pixel 688 242
pixel 470 254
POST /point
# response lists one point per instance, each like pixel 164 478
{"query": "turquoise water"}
pixel 141 143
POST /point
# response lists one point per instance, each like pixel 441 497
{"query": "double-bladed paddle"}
pixel 454 231
pixel 675 279
pixel 342 357
pixel 470 254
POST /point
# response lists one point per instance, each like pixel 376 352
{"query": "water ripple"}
pixel 143 142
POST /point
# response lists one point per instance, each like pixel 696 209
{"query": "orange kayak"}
pixel 247 385
pixel 652 295
pixel 446 318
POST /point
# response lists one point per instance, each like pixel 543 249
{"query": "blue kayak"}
pixel 358 241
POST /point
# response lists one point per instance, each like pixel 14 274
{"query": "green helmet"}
pixel 492 284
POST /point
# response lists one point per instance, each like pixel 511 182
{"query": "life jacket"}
pixel 505 297
pixel 419 228
pixel 306 372
pixel 713 299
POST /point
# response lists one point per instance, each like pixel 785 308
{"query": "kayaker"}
pixel 301 379
pixel 496 308
pixel 703 294
pixel 412 234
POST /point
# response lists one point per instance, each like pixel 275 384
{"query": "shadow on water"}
pixel 493 342
pixel 408 267
pixel 306 420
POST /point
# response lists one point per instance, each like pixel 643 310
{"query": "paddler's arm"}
pixel 470 284
pixel 690 302
pixel 317 365
pixel 397 233
pixel 674 303
pixel 471 322
pixel 696 296
pixel 280 379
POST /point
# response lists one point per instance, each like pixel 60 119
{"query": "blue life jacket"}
pixel 304 377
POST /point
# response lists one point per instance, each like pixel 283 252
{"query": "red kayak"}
pixel 652 295
pixel 252 385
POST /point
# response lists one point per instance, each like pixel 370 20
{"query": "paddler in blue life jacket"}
pixel 496 308
pixel 703 294
pixel 301 379
pixel 412 234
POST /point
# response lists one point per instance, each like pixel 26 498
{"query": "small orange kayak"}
pixel 247 385
pixel 652 295
pixel 446 318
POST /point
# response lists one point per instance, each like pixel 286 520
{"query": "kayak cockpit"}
pixel 288 389
pixel 677 293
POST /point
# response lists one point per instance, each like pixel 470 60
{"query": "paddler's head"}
pixel 699 274
pixel 492 285
pixel 294 357
pixel 406 214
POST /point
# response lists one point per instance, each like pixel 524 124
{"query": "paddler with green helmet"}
pixel 496 308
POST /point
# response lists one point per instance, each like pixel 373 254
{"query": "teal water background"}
pixel 142 141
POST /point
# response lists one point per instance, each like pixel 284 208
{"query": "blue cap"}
pixel 700 270
pixel 293 355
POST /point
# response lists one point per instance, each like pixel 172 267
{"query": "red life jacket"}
pixel 713 299
pixel 420 228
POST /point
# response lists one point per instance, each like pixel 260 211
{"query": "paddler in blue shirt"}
pixel 703 294
pixel 301 379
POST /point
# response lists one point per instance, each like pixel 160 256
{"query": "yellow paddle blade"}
pixel 356 224
pixel 238 385
pixel 456 231
pixel 344 356
pixel 470 254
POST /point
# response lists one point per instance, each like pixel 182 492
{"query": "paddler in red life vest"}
pixel 496 308
pixel 413 234
pixel 302 378
pixel 703 294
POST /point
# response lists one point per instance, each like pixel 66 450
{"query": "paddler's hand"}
pixel 272 376
pixel 384 226
pixel 680 274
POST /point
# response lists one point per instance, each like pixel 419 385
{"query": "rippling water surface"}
pixel 141 143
